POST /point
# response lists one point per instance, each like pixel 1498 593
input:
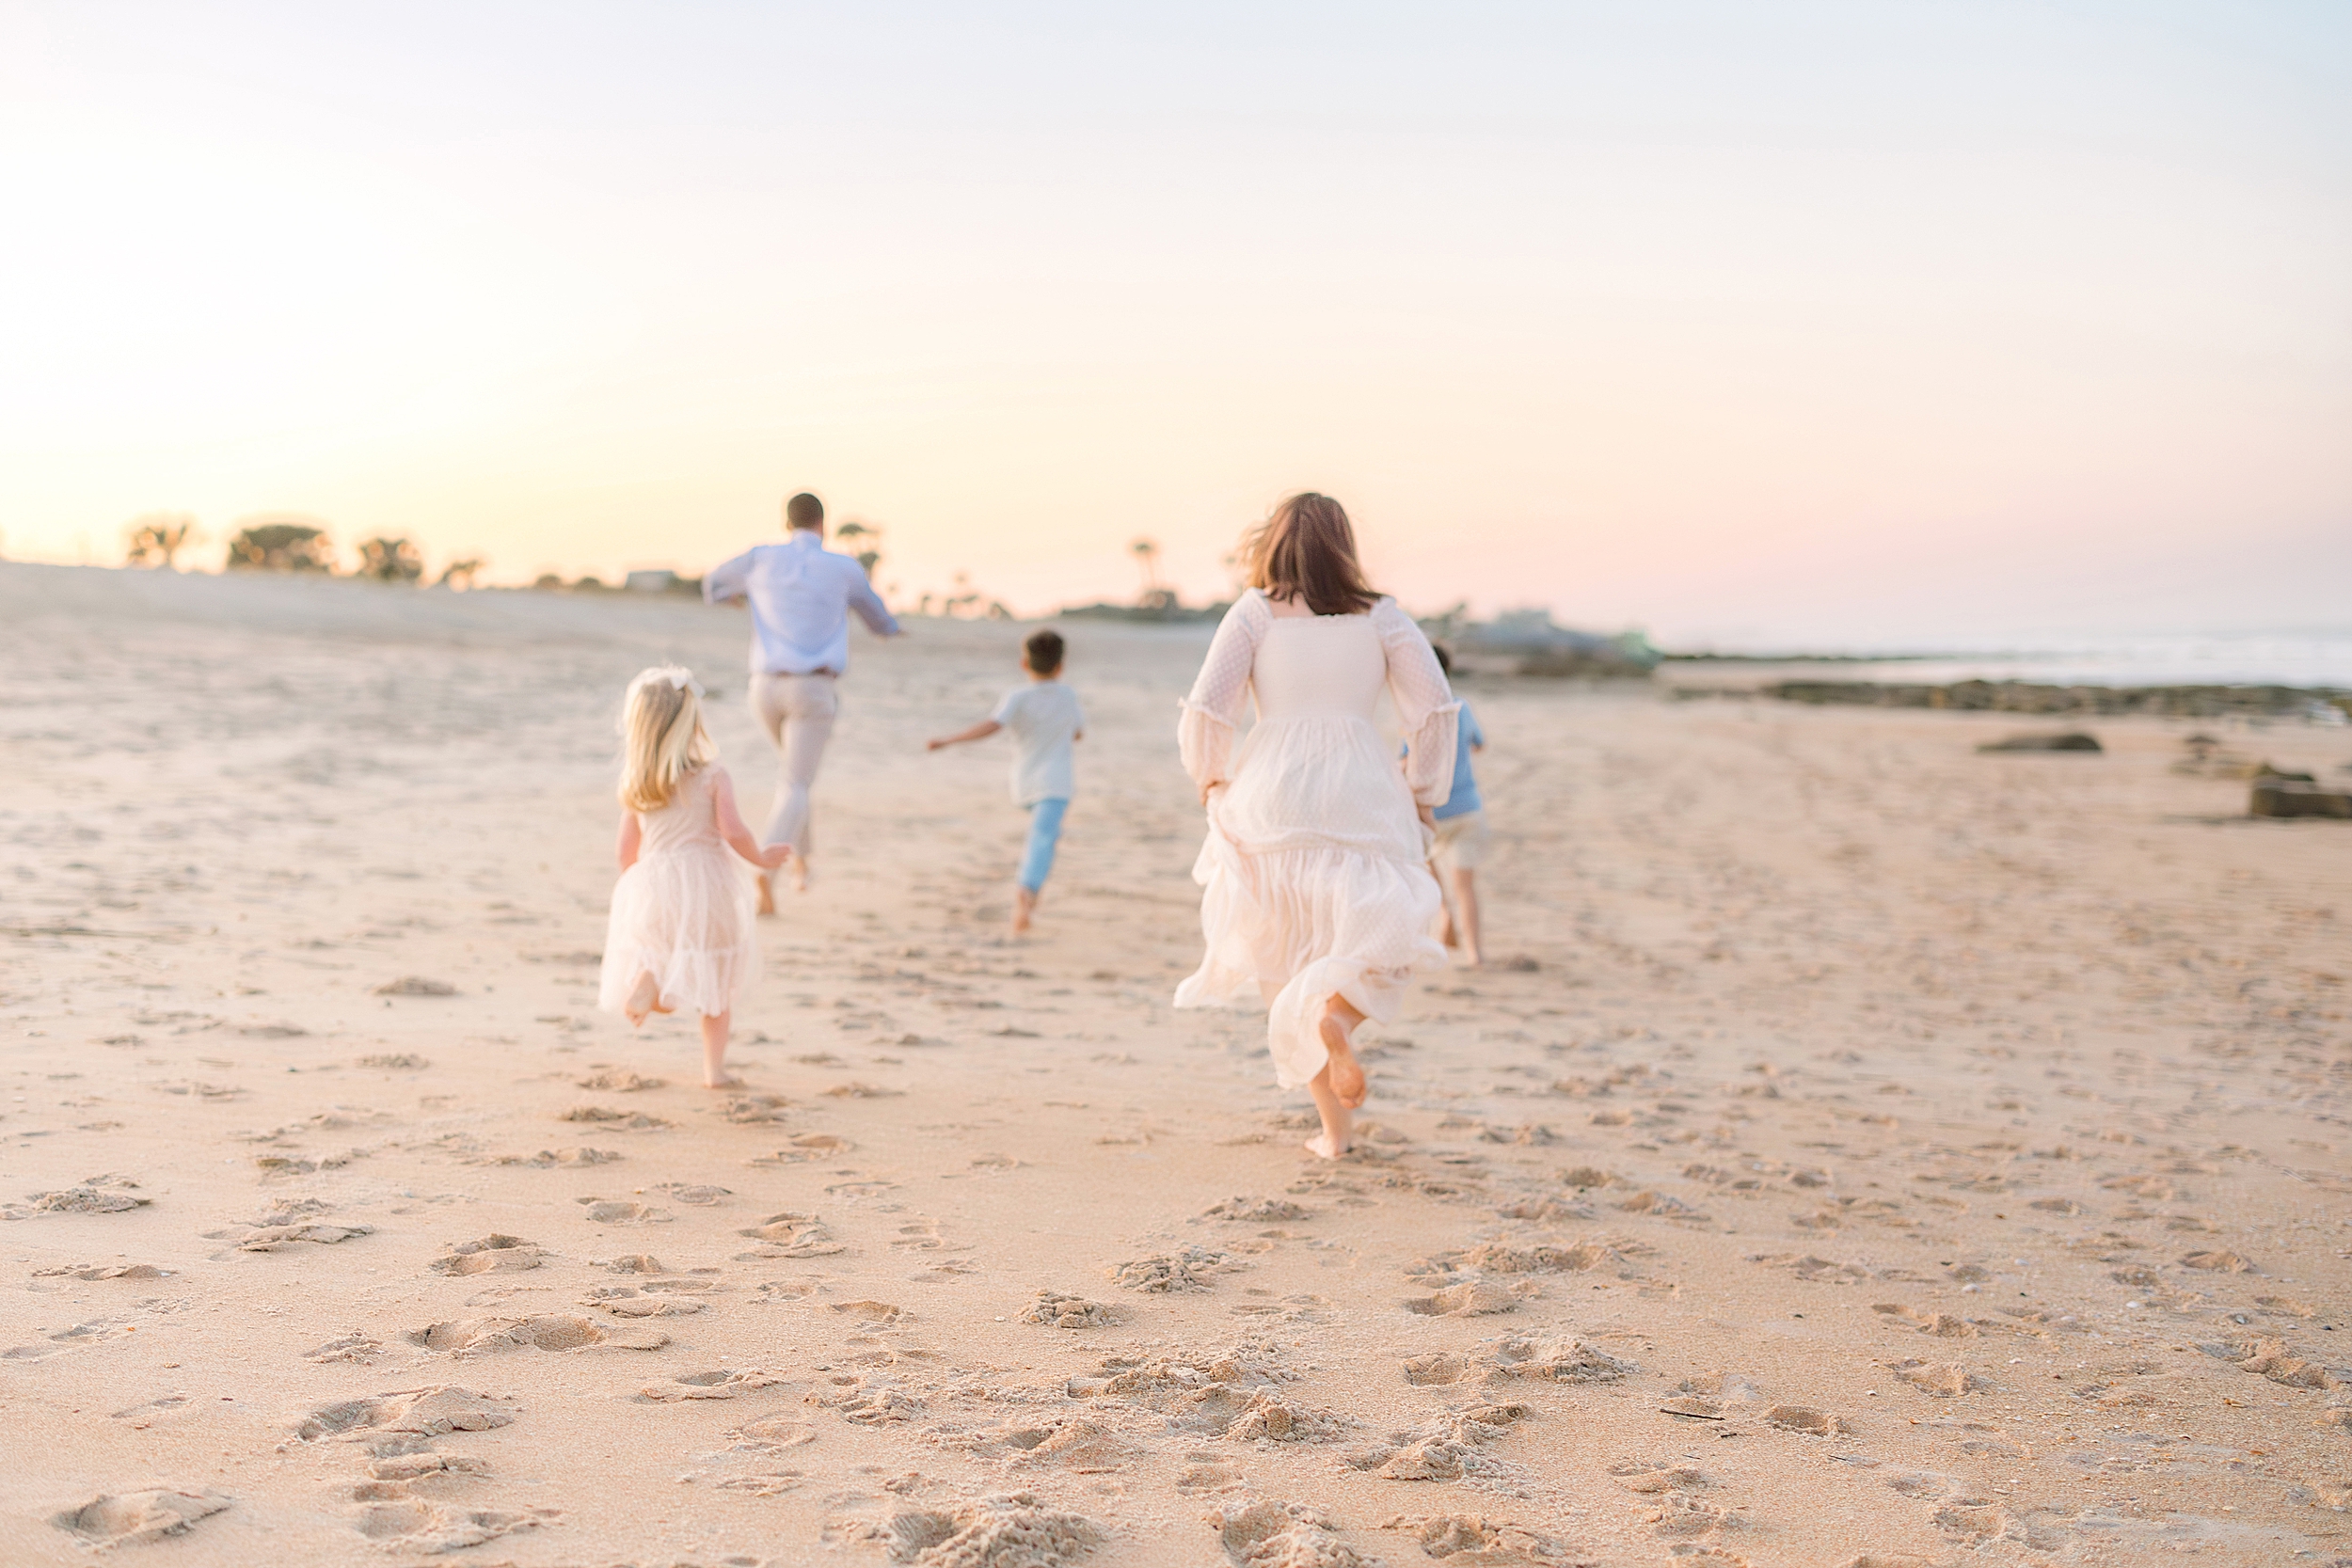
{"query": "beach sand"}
pixel 1880 1152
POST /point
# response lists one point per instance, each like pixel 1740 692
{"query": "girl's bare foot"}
pixel 644 997
pixel 1348 1075
pixel 767 893
pixel 1024 906
pixel 1321 1147
pixel 725 1081
pixel 798 863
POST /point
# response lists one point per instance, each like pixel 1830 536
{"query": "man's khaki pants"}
pixel 797 711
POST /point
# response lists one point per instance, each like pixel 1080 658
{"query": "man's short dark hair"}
pixel 804 511
pixel 1445 661
pixel 1043 651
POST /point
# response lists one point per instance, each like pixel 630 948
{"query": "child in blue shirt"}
pixel 1044 718
pixel 1461 842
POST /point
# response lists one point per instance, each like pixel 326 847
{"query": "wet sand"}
pixel 1879 1152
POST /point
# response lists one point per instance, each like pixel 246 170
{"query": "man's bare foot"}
pixel 725 1081
pixel 644 997
pixel 1024 906
pixel 1348 1075
pixel 798 866
pixel 767 893
pixel 1321 1147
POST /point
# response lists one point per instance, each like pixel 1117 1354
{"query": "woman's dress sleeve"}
pixel 1425 704
pixel 1204 732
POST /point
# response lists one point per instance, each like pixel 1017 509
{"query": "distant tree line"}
pixel 287 545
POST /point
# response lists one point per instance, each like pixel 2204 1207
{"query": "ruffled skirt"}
pixel 686 917
pixel 1308 924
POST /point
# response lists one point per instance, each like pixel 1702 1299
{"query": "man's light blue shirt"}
pixel 800 595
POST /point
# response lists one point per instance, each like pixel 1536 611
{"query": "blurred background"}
pixel 1844 325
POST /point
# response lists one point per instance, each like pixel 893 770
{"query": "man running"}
pixel 800 595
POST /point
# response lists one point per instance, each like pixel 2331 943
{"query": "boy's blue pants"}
pixel 1045 833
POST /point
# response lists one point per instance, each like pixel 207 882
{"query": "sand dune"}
pixel 1882 1153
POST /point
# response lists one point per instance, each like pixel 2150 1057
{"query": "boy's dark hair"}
pixel 804 511
pixel 1043 651
pixel 1445 661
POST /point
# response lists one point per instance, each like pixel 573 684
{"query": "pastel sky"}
pixel 1821 322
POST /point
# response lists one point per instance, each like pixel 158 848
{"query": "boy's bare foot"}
pixel 767 893
pixel 1348 1075
pixel 1024 906
pixel 1321 1147
pixel 644 997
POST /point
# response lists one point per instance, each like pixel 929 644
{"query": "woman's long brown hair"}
pixel 1306 549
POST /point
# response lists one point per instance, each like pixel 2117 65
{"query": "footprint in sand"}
pixel 1474 1298
pixel 285 1237
pixel 1806 1419
pixel 551 1159
pixel 1944 1380
pixel 1943 1326
pixel 621 1211
pixel 1015 1529
pixel 1503 1545
pixel 98 1195
pixel 803 1148
pixel 615 1081
pixel 144 1271
pixel 751 1109
pixel 1053 1309
pixel 1256 1210
pixel 429 1529
pixel 791 1235
pixel 614 1119
pixel 473 1336
pixel 1654 1476
pixel 1280 1535
pixel 132 1518
pixel 719 1384
pixel 402 1061
pixel 870 1314
pixel 493 1253
pixel 1170 1271
pixel 1444 1447
pixel 422 1411
pixel 695 1194
pixel 627 1301
pixel 357 1348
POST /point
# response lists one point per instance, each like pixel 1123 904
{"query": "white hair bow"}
pixel 676 674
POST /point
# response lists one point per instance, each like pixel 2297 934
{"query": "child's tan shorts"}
pixel 1461 841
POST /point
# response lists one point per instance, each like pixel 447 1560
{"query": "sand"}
pixel 1878 1152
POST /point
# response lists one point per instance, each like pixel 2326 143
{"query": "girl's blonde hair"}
pixel 663 738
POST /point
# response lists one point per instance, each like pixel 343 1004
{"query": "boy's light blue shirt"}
pixel 1464 797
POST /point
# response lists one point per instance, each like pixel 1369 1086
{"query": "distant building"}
pixel 657 581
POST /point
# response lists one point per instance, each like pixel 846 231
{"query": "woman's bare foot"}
pixel 1024 906
pixel 644 997
pixel 767 893
pixel 1348 1075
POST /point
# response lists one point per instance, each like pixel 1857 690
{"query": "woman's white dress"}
pixel 684 911
pixel 1316 870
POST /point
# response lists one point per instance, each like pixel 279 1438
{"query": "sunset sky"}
pixel 1839 324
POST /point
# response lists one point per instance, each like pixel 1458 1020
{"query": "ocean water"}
pixel 2321 660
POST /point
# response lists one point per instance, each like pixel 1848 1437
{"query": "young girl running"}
pixel 681 931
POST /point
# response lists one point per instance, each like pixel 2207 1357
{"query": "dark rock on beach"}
pixel 2276 796
pixel 2072 740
